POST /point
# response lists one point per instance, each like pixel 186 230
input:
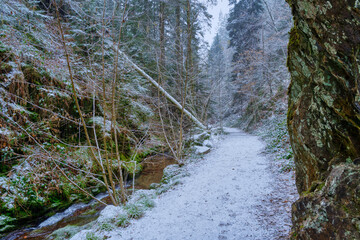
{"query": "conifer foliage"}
pixel 76 117
pixel 258 32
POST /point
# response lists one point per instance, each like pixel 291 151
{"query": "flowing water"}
pixel 80 214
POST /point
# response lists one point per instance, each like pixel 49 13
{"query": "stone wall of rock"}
pixel 330 210
pixel 324 99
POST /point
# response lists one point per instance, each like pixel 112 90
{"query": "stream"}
pixel 80 214
pixel 234 192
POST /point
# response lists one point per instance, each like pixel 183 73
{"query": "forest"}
pixel 120 119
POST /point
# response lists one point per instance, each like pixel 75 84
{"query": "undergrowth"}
pixel 275 134
pixel 122 220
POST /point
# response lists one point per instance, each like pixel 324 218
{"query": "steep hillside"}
pixel 46 162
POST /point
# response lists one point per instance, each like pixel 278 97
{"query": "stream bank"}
pixel 80 214
pixel 235 192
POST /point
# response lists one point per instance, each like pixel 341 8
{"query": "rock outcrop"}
pixel 332 210
pixel 324 114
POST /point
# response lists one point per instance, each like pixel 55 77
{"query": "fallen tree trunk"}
pixel 161 89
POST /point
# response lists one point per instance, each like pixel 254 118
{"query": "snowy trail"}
pixel 232 194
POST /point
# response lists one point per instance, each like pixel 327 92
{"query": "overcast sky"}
pixel 221 7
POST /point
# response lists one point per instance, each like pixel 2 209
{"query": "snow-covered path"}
pixel 234 193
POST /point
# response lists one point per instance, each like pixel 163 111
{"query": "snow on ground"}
pixel 234 193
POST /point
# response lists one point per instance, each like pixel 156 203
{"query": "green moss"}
pixel 34 117
pixel 130 168
pixel 35 42
pixel 294 39
pixel 90 212
pixel 307 194
pixel 315 186
pixel 65 233
pixel 346 209
pixel 5 68
pixel 7 228
pixel 321 186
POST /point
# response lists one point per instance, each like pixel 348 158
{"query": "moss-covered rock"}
pixel 330 210
pixel 323 117
pixel 66 232
pixel 324 101
pixel 6 223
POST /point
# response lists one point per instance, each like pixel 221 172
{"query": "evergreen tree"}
pixel 258 36
pixel 244 23
pixel 219 87
pixel 216 71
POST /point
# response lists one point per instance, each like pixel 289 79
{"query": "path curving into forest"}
pixel 235 192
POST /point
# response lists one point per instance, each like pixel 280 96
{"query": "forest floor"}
pixel 234 192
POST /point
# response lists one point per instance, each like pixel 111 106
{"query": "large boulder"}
pixel 324 98
pixel 324 95
pixel 330 210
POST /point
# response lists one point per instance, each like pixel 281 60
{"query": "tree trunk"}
pixel 161 89
pixel 162 36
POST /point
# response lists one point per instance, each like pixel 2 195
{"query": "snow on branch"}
pixel 162 90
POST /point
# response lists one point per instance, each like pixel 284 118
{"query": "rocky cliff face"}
pixel 324 114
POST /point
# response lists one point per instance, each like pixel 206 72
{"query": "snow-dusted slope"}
pixel 233 193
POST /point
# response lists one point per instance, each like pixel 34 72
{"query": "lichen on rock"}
pixel 330 211
pixel 323 120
